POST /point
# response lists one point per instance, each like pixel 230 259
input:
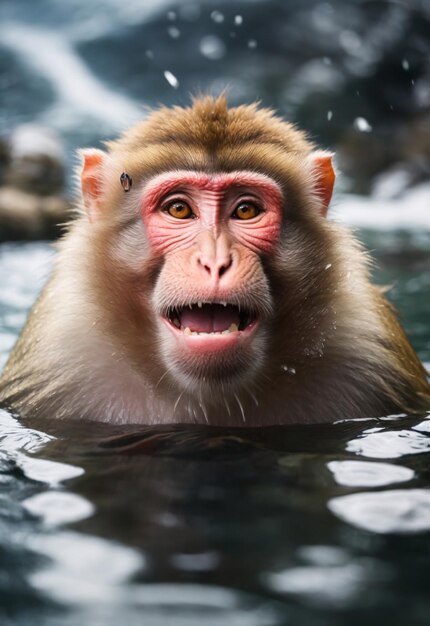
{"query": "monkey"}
pixel 203 283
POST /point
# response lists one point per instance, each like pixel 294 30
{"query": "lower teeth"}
pixel 233 328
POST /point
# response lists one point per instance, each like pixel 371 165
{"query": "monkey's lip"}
pixel 211 325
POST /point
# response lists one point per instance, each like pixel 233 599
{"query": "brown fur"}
pixel 333 347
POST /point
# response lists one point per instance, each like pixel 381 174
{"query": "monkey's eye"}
pixel 246 211
pixel 180 210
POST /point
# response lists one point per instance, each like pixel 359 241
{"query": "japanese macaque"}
pixel 202 283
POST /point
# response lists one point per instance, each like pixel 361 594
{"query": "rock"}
pixel 25 216
pixel 36 161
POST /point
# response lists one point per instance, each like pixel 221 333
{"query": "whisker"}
pixel 177 401
pixel 253 397
pixel 241 407
pixel 162 377
pixel 227 406
pixel 203 408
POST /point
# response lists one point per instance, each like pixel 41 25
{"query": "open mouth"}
pixel 211 318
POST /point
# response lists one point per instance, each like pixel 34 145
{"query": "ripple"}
pixel 56 508
pixel 367 474
pixel 96 574
pixel 83 568
pixel 14 436
pixel 397 511
pixel 389 444
pixel 50 472
pixel 423 427
pixel 325 585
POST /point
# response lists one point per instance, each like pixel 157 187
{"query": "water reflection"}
pixel 363 474
pixel 378 444
pixel 395 511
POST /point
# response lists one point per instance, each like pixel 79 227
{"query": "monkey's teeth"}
pixel 177 323
pixel 199 304
pixel 224 303
pixel 232 329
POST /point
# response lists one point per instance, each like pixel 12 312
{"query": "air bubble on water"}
pixel 329 115
pixel 405 64
pixel 361 124
pixel 174 32
pixel 238 20
pixel 252 44
pixel 217 17
pixel 149 54
pixel 171 15
pixel 171 79
pixel 212 47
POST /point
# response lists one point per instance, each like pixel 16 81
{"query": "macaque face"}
pixel 212 299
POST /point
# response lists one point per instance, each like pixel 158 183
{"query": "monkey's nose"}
pixel 215 268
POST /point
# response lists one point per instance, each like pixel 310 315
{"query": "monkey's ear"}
pixel 324 177
pixel 91 181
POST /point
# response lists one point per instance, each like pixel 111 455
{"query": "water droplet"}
pixel 252 44
pixel 405 65
pixel 171 15
pixel 174 32
pixel 361 124
pixel 328 266
pixel 171 79
pixel 217 17
pixel 238 20
pixel 212 47
pixel 329 115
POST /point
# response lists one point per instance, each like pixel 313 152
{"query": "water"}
pixel 307 525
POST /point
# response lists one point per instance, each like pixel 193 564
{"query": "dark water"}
pixel 313 526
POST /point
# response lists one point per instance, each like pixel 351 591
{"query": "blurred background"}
pixel 355 74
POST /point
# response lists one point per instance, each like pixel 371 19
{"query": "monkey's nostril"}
pixel 216 269
pixel 224 267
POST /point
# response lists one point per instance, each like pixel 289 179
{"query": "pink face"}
pixel 212 231
pixel 213 200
